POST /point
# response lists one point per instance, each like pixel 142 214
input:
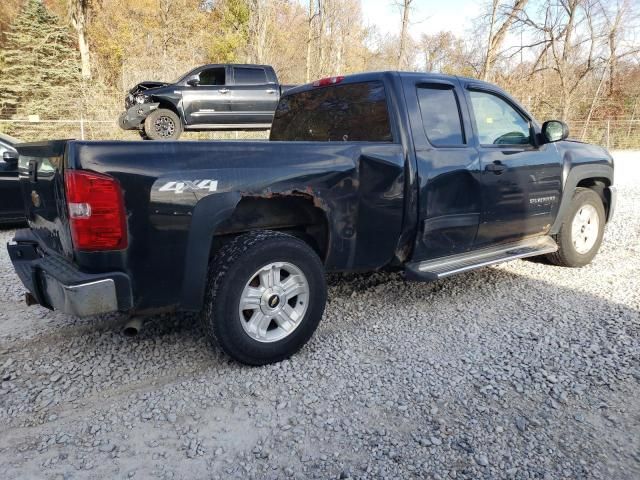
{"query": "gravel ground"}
pixel 523 370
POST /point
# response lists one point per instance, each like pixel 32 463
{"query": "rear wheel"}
pixel 265 297
pixel 162 124
pixel 581 232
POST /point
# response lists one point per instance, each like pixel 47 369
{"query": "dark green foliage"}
pixel 40 70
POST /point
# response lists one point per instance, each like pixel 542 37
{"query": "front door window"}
pixel 497 122
pixel 212 76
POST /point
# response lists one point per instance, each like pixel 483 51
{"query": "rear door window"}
pixel 340 113
pixel 441 115
pixel 249 76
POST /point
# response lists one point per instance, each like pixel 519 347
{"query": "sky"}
pixel 427 16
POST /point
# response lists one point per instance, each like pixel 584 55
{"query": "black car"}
pixel 11 207
pixel 431 175
pixel 210 97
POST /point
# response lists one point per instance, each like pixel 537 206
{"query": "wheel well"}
pixel 295 214
pixel 598 185
pixel 169 106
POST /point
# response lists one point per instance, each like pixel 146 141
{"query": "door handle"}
pixel 496 167
pixel 224 90
pixel 271 91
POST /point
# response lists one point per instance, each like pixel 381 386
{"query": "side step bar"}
pixel 443 267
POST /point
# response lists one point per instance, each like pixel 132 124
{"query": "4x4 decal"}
pixel 183 186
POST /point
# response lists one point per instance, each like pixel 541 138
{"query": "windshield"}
pixel 184 76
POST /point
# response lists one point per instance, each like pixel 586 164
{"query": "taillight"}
pixel 96 211
pixel 324 82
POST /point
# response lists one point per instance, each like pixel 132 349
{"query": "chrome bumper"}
pixel 56 283
pixel 81 300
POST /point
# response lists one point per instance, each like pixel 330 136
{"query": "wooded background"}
pixel 70 61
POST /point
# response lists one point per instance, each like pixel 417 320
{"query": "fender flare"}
pixel 208 213
pixel 575 176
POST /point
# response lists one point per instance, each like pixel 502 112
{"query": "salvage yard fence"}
pixel 614 134
pixel 83 129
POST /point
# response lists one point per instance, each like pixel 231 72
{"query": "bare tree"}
pixel 445 53
pixel 618 18
pixel 502 17
pixel 79 14
pixel 571 44
pixel 165 11
pixel 259 22
pixel 313 13
pixel 405 9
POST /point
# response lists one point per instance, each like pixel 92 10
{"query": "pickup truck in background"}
pixel 428 174
pixel 210 97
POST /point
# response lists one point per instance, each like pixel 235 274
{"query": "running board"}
pixel 443 267
pixel 228 126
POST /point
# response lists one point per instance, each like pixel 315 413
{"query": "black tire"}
pixel 567 254
pixel 163 124
pixel 233 266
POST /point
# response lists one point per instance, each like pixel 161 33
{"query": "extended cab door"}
pixel 521 181
pixel 449 196
pixel 254 96
pixel 207 99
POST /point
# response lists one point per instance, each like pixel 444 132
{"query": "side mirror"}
pixel 554 131
pixel 193 82
pixel 10 158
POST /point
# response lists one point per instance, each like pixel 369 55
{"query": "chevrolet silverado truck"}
pixel 428 174
pixel 210 97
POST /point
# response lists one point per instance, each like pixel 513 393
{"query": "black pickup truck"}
pixel 210 97
pixel 428 174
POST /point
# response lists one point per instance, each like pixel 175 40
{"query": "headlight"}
pixel 141 98
pixel 129 100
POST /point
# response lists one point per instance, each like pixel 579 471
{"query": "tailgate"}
pixel 41 170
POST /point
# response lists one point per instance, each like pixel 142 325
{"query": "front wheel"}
pixel 265 297
pixel 581 232
pixel 162 124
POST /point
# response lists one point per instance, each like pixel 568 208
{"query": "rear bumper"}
pixel 135 115
pixel 57 284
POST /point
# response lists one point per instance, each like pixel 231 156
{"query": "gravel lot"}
pixel 522 371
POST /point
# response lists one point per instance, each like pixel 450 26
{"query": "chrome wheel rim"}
pixel 274 302
pixel 165 126
pixel 585 228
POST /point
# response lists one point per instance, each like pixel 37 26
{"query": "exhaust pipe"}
pixel 132 327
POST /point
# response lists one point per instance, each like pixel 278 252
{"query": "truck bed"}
pixel 178 196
